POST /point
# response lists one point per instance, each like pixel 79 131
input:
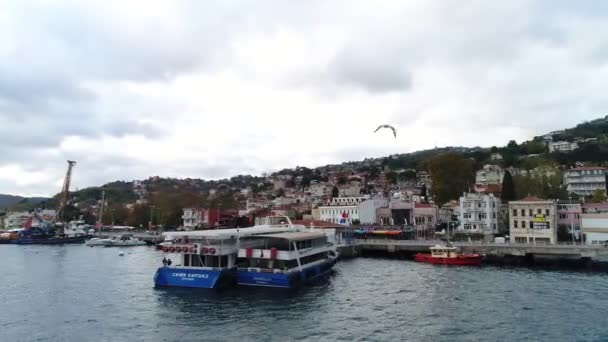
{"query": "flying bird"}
pixel 387 126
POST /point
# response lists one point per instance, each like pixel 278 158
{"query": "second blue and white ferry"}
pixel 285 260
pixel 208 258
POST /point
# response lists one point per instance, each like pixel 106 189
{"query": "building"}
pixel 200 218
pixel 369 208
pixel 342 210
pixel 583 181
pixel 569 218
pixel 319 189
pixel 595 228
pixel 16 219
pixel 562 146
pixel 533 220
pixel 496 156
pixel 479 214
pixel 398 212
pixel 489 174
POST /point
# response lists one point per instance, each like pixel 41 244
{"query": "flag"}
pixel 28 223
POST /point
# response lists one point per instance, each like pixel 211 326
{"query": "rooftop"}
pixel 294 236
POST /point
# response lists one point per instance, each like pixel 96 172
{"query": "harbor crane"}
pixel 65 192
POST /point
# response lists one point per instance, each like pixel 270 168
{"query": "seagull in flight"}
pixel 387 126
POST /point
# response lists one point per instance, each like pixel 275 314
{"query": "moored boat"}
pixel 208 259
pixel 448 255
pixel 285 260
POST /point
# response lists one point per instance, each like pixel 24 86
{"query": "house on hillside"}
pixel 533 220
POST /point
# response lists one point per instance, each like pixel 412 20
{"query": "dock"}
pixel 492 250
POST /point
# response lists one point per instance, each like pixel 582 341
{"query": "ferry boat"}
pixel 448 255
pixel 208 258
pixel 285 260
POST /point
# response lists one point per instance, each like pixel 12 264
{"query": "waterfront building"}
pixel 584 181
pixel 533 220
pixel 369 208
pixel 479 213
pixel 196 218
pixel 342 210
pixel 595 228
pixel 16 219
pixel 569 217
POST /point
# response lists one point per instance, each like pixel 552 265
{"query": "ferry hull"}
pixel 461 260
pixel 294 279
pixel 193 277
pixel 49 241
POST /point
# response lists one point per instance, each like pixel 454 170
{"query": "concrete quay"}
pixel 491 250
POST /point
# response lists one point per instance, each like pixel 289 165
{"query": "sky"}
pixel 213 89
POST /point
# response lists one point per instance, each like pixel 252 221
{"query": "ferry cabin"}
pixel 284 259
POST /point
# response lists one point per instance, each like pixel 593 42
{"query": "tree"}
pixel 391 176
pixel 335 192
pixel 508 188
pixel 598 196
pixel 451 175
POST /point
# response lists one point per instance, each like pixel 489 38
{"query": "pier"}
pixel 495 250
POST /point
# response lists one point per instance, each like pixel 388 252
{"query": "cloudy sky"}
pixel 211 89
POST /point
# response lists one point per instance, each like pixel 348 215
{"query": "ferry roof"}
pixel 228 233
pixel 295 236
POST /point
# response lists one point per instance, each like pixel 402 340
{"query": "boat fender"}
pixel 211 250
pixel 195 248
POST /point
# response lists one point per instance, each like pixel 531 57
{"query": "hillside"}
pixel 11 201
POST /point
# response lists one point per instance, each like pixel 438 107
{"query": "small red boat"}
pixel 448 255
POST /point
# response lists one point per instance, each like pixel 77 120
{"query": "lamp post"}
pixel 151 217
pixel 570 214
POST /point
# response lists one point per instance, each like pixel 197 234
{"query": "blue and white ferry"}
pixel 208 258
pixel 285 260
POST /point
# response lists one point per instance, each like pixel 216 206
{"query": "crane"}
pixel 65 191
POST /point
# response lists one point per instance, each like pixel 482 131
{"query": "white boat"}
pixel 125 240
pixel 97 242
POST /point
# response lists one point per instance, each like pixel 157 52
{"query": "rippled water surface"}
pixel 77 293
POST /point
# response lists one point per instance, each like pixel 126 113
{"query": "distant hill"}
pixel 10 201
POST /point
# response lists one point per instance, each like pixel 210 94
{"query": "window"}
pixel 467 227
pixel 523 212
pixel 548 225
pixel 531 224
pixel 547 212
pixel 493 215
pixel 539 211
pixel 530 212
pixel 523 224
pixel 482 216
pixel 467 215
pixel 514 212
pixel 514 224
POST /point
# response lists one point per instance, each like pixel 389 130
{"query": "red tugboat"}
pixel 448 255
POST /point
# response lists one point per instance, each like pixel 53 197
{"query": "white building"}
pixel 16 219
pixel 368 209
pixel 585 180
pixel 562 146
pixel 192 218
pixel 595 228
pixel 533 220
pixel 479 213
pixel 489 174
pixel 342 210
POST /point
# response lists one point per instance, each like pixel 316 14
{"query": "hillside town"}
pixel 549 190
